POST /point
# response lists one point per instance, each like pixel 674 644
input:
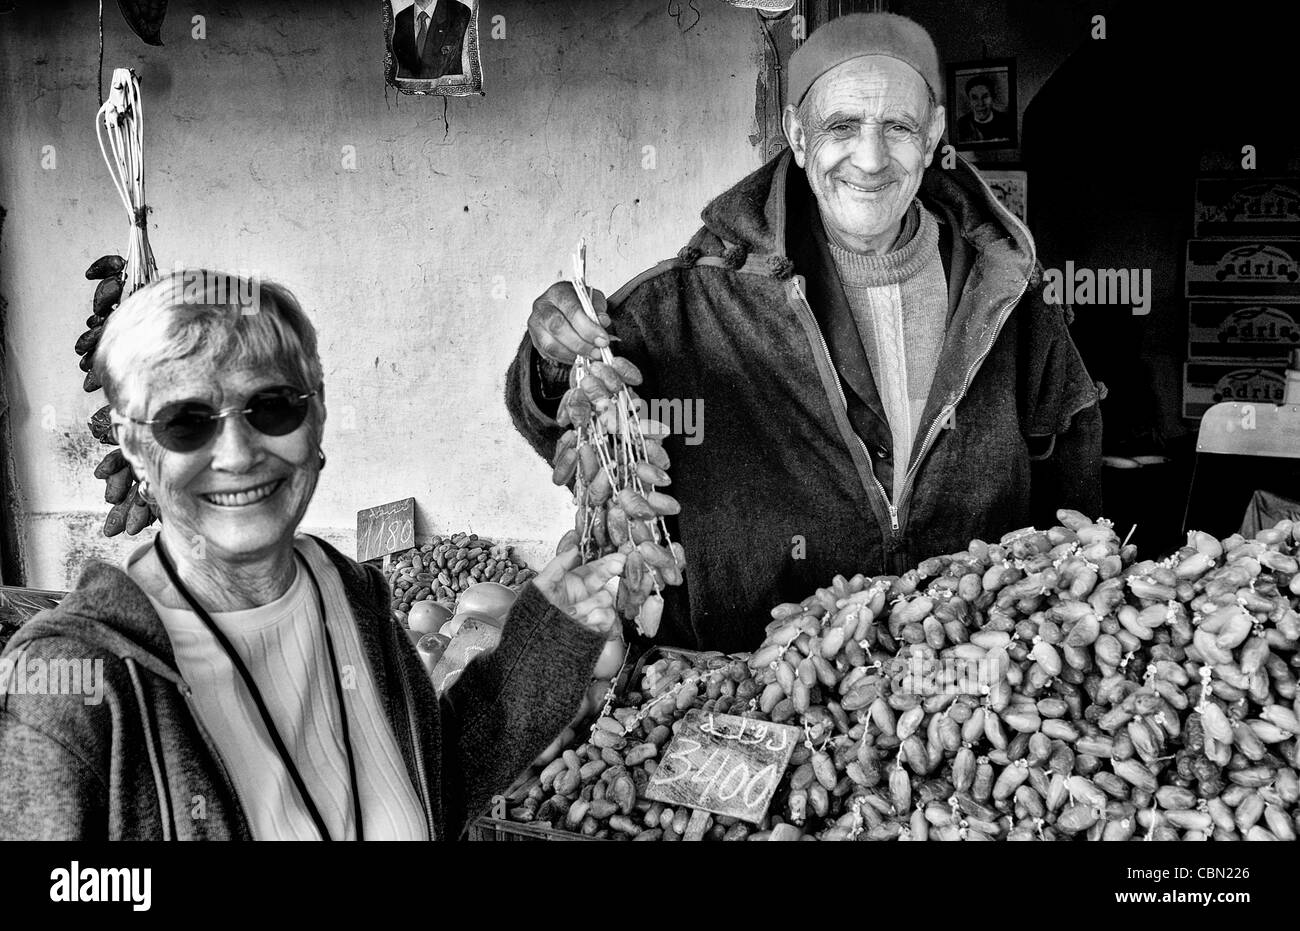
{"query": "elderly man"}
pixel 875 362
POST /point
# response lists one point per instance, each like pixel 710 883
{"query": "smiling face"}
pixel 243 493
pixel 981 101
pixel 864 135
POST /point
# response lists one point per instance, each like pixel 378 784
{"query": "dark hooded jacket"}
pixel 785 487
pixel 134 763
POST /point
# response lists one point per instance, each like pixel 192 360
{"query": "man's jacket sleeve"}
pixel 1062 421
pixel 1070 477
pixel 533 414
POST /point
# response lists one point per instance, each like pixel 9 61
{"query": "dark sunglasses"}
pixel 186 426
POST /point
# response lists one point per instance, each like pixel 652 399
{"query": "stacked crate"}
pixel 1243 290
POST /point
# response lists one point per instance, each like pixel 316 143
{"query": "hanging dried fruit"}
pixel 614 468
pixel 145 17
pixel 119 128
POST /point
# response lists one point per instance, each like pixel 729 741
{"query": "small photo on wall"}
pixel 1011 188
pixel 432 47
pixel 982 104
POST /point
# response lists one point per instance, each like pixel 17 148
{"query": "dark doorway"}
pixel 1112 144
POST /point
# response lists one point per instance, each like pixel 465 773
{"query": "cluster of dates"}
pixel 615 469
pixel 130 512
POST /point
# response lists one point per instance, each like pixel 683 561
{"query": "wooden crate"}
pixel 1247 206
pixel 1242 332
pixel 1208 383
pixel 1243 269
pixel 493 829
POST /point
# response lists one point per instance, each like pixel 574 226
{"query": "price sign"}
pixel 385 529
pixel 724 764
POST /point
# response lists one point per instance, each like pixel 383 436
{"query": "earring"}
pixel 321 453
pixel 143 491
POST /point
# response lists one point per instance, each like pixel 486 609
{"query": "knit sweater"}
pixel 899 302
pixel 138 765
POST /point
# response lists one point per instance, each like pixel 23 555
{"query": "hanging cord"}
pixel 119 126
pixel 99 75
pixel 766 25
pixel 774 96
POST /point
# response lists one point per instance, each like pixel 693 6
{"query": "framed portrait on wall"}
pixel 982 104
pixel 1011 188
pixel 432 47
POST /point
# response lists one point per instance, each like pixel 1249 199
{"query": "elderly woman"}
pixel 255 683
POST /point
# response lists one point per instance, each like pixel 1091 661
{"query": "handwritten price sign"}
pixel 724 764
pixel 385 529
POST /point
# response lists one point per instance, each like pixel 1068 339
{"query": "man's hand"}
pixel 579 591
pixel 561 330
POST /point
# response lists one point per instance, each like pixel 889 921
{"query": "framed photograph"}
pixel 1011 188
pixel 432 47
pixel 982 104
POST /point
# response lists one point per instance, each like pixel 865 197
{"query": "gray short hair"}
pixel 215 319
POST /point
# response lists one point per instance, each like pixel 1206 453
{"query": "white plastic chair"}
pixel 1235 428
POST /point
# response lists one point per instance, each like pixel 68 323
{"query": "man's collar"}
pixel 907 229
pixel 755 212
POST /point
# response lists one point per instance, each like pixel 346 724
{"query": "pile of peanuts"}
pixel 1050 686
pixel 444 567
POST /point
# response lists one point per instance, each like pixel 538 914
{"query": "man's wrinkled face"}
pixel 864 135
pixel 981 101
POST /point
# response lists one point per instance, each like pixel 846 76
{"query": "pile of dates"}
pixel 1050 686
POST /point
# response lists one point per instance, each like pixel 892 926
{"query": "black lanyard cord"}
pixel 256 694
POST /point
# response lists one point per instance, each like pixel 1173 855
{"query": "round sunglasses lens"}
pixel 184 427
pixel 277 411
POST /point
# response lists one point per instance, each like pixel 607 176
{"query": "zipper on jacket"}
pixel 970 372
pixel 422 782
pixel 894 522
pixel 933 432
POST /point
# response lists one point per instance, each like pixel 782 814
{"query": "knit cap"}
pixel 860 34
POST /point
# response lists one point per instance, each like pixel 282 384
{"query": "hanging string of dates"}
pixel 119 127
